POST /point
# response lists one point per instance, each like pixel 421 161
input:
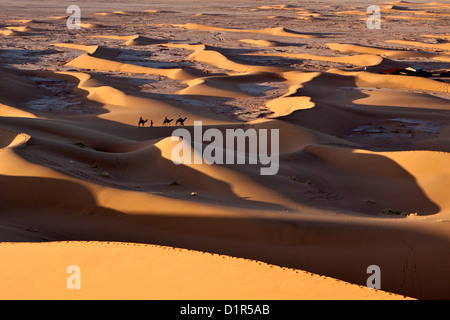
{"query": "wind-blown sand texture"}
pixel 364 164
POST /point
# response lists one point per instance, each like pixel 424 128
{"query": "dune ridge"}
pixel 358 60
pixel 278 31
pixel 96 61
pixel 351 48
pixel 440 46
pixel 204 269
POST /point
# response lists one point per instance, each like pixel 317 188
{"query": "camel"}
pixel 181 121
pixel 167 121
pixel 142 121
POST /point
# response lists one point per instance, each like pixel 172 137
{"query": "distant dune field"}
pixel 363 117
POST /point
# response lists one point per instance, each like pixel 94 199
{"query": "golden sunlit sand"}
pixel 363 120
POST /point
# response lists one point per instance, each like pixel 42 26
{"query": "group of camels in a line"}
pixel 180 121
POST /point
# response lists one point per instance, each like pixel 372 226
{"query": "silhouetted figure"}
pixel 142 122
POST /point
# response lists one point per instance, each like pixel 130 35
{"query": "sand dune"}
pixel 261 42
pixel 115 13
pixel 215 58
pixel 133 40
pixel 216 276
pixel 396 17
pixel 95 61
pixel 13 86
pixel 392 81
pixel 308 14
pixel 8 111
pixel 447 37
pixel 439 46
pixel 57 18
pixel 419 9
pixel 91 25
pixel 436 4
pixel 357 60
pixel 302 14
pixel 24 21
pixel 81 47
pixel 278 7
pixel 13 33
pixel 116 100
pixel 279 31
pixel 157 11
pixel 11 139
pixel 21 29
pixel 351 48
pixel 224 86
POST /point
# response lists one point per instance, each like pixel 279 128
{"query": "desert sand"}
pixel 364 171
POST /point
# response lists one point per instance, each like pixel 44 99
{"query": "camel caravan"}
pixel 180 122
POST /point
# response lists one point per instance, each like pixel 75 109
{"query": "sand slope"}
pixel 363 156
pixel 215 277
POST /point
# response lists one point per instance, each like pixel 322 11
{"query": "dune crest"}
pixel 439 46
pixel 351 48
pixel 256 280
pixel 357 60
pixel 264 43
pixel 97 62
pixel 357 128
pixel 277 31
pixel 133 40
